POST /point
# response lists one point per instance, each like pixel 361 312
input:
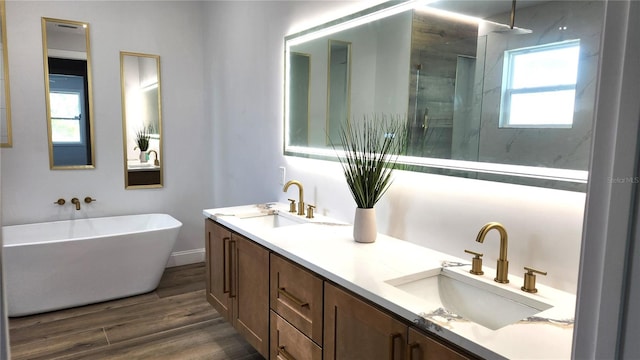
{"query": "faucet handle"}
pixel 60 201
pixel 292 205
pixel 530 279
pixel 476 262
pixel 310 211
pixel 89 199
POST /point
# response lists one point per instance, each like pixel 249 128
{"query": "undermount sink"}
pixel 270 220
pixel 481 302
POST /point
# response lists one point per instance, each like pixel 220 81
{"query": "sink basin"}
pixel 268 220
pixel 483 303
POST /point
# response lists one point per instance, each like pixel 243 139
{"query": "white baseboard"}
pixel 179 258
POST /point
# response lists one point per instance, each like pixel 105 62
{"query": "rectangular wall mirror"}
pixel 141 120
pixel 68 94
pixel 5 98
pixel 482 98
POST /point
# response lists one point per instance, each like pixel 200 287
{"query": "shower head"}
pixel 511 29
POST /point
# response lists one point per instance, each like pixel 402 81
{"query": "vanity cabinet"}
pixel 356 330
pixel 423 347
pixel 286 311
pixel 218 261
pixel 238 283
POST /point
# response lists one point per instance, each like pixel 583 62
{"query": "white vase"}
pixel 364 226
pixel 143 156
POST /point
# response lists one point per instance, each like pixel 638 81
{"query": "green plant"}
pixel 371 152
pixel 142 139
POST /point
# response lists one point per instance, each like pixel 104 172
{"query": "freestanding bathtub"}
pixel 62 264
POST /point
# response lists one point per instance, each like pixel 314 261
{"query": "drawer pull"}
pixel 226 281
pixel 411 348
pixel 392 344
pixel 284 353
pixel 291 297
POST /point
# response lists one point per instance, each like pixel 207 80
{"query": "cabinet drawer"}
pixel 296 295
pixel 287 343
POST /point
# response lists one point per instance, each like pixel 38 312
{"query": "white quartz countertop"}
pixel 326 247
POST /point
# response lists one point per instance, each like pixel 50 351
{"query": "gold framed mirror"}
pixel 68 93
pixel 5 98
pixel 141 120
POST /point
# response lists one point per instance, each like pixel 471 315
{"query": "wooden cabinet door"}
pixel 218 267
pixel 250 291
pixel 354 330
pixel 423 347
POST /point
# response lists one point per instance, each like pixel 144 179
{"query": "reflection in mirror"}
pixel 5 98
pixel 299 66
pixel 67 68
pixel 481 99
pixel 338 88
pixel 141 120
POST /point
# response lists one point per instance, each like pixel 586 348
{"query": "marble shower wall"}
pixel 550 147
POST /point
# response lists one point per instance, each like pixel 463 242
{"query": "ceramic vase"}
pixel 364 226
pixel 143 156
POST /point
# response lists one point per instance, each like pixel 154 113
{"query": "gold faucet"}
pixel 76 202
pixel 502 270
pixel 156 162
pixel 300 194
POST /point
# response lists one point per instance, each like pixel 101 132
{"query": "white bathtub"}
pixel 62 264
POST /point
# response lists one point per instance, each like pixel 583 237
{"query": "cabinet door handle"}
pixel 392 344
pixel 284 353
pixel 226 280
pixel 232 268
pixel 291 297
pixel 410 348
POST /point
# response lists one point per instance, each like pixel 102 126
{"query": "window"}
pixel 65 117
pixel 539 86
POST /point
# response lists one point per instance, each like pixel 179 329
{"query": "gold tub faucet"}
pixel 76 202
pixel 502 270
pixel 300 194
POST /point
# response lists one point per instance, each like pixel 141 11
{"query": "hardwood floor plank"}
pixel 173 322
pixel 180 281
pixel 160 322
pixel 60 345
pixel 37 319
pixel 105 318
pixel 212 339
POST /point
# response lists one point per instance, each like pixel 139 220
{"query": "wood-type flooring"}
pixel 172 322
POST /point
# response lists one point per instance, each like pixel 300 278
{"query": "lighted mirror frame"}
pixel 147 175
pixel 89 95
pixel 6 138
pixel 531 175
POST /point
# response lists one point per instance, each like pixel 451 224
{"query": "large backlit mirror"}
pixel 5 99
pixel 141 120
pixel 68 95
pixel 483 96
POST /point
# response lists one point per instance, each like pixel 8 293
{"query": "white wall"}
pixel 172 30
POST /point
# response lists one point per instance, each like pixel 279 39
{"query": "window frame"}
pixel 508 91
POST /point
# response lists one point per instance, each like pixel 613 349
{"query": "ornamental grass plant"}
pixel 371 150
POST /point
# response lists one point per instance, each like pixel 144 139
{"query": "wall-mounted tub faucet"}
pixel 502 270
pixel 76 202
